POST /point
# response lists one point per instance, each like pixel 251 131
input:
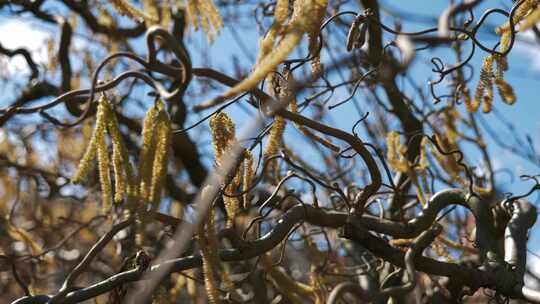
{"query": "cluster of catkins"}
pixel 141 191
pixel 525 16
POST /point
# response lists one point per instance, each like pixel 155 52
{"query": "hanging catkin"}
pixel 159 169
pixel 208 244
pixel 153 158
pixel 147 153
pixel 123 7
pixel 248 176
pixel 205 14
pixel 103 157
pixel 223 137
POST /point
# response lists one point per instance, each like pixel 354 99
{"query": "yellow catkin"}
pixel 505 89
pixel 106 121
pixel 488 97
pixel 232 205
pixel 487 69
pixel 205 25
pixel 316 66
pixel 223 132
pixel 308 14
pixel 159 170
pixel 396 159
pixel 223 136
pixel 209 277
pixel 313 34
pixel 528 14
pixel 478 95
pixel 502 66
pixel 520 12
pixel 166 14
pixel 103 166
pixel 395 153
pixel 469 105
pixel 531 20
pixel 208 244
pixel 147 153
pixel 85 164
pixel 205 14
pixel 193 12
pixel 484 90
pixel 213 14
pixel 118 166
pixel 275 138
pixel 248 176
pixel 275 142
pixel 505 40
pixel 269 62
pixel 105 17
pixel 267 43
pixel 281 11
pixel 391 145
pixel 98 145
pixel 123 7
pixel 124 175
pixel 151 7
pixel 149 184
